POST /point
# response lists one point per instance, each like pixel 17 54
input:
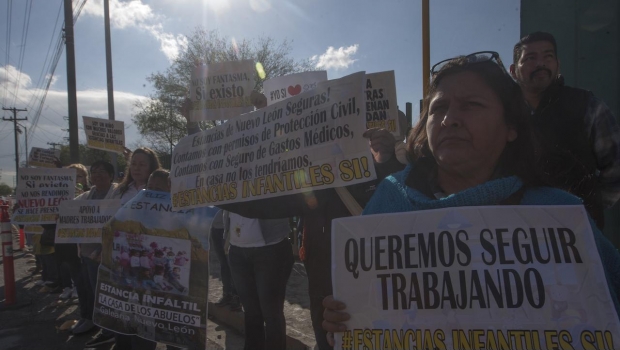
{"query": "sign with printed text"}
pixel 44 158
pixel 280 88
pixel 154 272
pixel 40 192
pixel 80 221
pixel 309 142
pixel 501 277
pixel 33 229
pixel 221 91
pixel 104 134
pixel 381 104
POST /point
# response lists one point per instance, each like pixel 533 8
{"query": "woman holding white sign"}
pixel 473 146
pixel 142 163
pixel 101 176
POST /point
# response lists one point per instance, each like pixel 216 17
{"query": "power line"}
pixel 47 55
pixel 22 50
pixel 9 9
pixel 35 120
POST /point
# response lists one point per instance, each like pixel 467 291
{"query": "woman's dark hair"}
pixel 519 156
pixel 161 174
pixel 153 165
pixel 107 167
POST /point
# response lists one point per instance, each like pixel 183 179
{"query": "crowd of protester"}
pixel 486 136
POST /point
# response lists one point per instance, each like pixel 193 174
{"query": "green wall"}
pixel 587 33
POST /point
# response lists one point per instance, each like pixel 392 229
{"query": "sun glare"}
pixel 218 6
pixel 260 5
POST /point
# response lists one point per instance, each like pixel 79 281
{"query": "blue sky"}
pixel 343 36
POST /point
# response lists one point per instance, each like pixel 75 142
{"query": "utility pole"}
pixel 54 144
pixel 14 120
pixel 71 84
pixel 426 52
pixel 26 139
pixel 109 77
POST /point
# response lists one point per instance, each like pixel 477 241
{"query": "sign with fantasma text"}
pixel 502 277
pixel 39 193
pixel 221 91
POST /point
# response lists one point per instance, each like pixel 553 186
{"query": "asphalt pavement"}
pixel 39 320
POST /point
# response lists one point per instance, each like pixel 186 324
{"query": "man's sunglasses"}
pixel 476 57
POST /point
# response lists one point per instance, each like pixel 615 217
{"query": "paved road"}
pixel 36 322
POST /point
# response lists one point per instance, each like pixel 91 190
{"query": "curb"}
pixel 235 320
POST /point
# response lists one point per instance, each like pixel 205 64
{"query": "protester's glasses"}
pixel 476 57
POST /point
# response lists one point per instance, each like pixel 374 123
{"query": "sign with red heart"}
pixel 294 90
pixel 277 89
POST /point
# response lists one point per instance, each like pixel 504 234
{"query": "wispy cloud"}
pixel 339 58
pixel 136 14
pixel 10 78
pixel 93 103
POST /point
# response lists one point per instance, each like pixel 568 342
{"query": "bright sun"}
pixel 218 6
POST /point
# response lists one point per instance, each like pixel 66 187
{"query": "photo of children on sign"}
pixel 151 263
pixel 154 272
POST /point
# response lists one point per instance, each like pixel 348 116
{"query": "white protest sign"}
pixel 153 280
pixel 279 88
pixel 381 104
pixel 104 134
pixel 40 192
pixel 502 277
pixel 309 142
pixel 221 91
pixel 44 158
pixel 80 221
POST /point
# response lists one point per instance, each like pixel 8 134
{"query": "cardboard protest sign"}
pixel 33 229
pixel 80 221
pixel 309 142
pixel 105 134
pixel 222 90
pixel 154 272
pixel 44 158
pixel 280 88
pixel 503 277
pixel 40 192
pixel 381 104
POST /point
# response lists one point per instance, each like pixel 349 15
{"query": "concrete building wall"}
pixel 588 37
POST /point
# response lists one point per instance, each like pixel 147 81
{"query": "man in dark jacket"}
pixel 579 135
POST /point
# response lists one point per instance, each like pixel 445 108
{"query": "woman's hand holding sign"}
pixel 333 316
pixel 381 144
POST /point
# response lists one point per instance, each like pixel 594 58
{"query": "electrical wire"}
pixel 9 9
pixel 45 67
pixel 35 120
pixel 22 51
